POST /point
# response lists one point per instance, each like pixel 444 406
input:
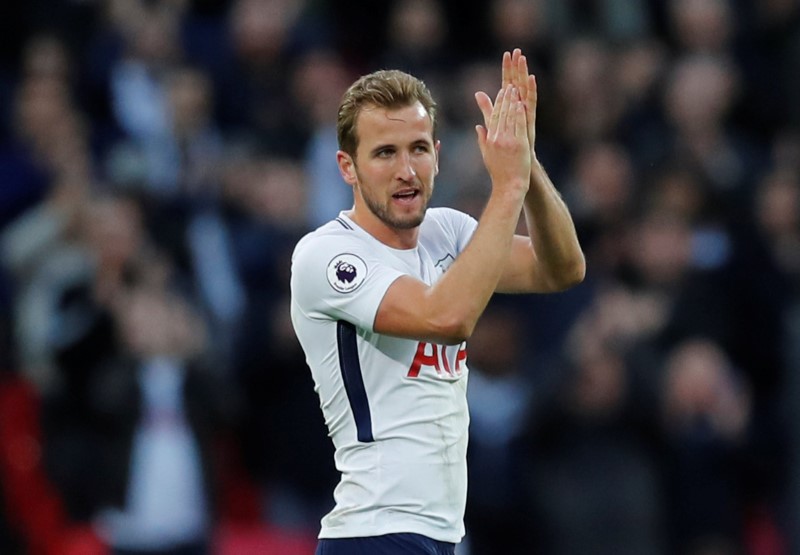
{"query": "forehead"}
pixel 391 125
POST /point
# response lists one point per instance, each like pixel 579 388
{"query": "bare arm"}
pixel 448 311
pixel 550 257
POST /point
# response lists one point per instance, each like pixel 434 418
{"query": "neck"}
pixel 390 236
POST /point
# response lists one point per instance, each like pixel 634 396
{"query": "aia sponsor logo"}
pixel 445 360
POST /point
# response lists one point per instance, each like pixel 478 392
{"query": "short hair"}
pixel 387 88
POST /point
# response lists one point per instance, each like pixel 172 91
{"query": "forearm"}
pixel 465 289
pixel 552 232
pixel 448 310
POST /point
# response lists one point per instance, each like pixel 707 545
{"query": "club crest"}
pixel 346 272
pixel 444 263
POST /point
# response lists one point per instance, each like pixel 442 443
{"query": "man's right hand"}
pixel 503 140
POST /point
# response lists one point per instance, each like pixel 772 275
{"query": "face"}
pixel 395 164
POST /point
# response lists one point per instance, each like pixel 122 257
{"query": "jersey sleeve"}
pixel 339 280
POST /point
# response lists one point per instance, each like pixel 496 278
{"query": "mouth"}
pixel 406 195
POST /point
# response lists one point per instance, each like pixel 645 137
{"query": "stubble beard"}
pixel 382 211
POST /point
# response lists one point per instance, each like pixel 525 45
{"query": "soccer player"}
pixel 385 296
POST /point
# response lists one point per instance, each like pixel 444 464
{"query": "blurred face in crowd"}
pixel 190 98
pixel 661 247
pixel 700 92
pixel 155 322
pixel 701 386
pixel 517 21
pixel 113 230
pixel 701 25
pixel 417 25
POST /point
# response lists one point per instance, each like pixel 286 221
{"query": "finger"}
pixel 481 131
pixel 533 98
pixel 506 109
pixel 494 121
pixel 530 108
pixel 515 76
pixel 485 105
pixel 521 124
pixel 507 68
pixel 522 77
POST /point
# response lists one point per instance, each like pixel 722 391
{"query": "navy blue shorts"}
pixel 390 544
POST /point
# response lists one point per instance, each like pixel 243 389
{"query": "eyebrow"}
pixel 417 142
pixel 381 147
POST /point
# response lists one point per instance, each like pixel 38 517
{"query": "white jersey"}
pixel 395 408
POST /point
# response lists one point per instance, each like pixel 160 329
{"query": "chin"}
pixel 398 217
pixel 409 221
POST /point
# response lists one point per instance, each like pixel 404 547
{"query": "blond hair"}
pixel 384 89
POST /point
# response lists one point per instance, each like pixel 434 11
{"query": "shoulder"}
pixel 334 255
pixel 445 213
pixel 446 217
pixel 448 223
pixel 333 236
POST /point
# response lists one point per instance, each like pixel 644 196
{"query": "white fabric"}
pixel 411 475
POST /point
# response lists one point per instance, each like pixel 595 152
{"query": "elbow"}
pixel 454 330
pixel 577 272
pixel 571 276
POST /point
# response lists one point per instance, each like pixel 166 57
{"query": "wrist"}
pixel 540 183
pixel 511 191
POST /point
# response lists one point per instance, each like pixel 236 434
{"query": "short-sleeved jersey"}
pixel 395 408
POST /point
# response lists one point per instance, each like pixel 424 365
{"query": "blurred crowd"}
pixel 160 158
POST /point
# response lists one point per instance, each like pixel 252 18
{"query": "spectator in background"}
pixel 157 411
pixel 417 33
pixel 178 156
pixel 139 97
pixel 76 314
pixel 707 410
pixel 70 251
pixel 701 26
pixel 319 80
pixel 176 169
pixel 459 181
pixel 678 296
pixel 266 37
pixel 639 68
pixel 601 188
pixel 593 445
pixel 698 100
pixel 500 397
pixel 527 24
pixel 48 139
pixel 617 21
pixel 589 107
pixel 777 215
pixel 291 464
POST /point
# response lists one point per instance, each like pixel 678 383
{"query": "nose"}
pixel 405 168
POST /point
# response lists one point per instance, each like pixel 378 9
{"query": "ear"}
pixel 436 149
pixel 347 167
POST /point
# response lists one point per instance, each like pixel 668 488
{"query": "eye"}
pixel 384 153
pixel 421 148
